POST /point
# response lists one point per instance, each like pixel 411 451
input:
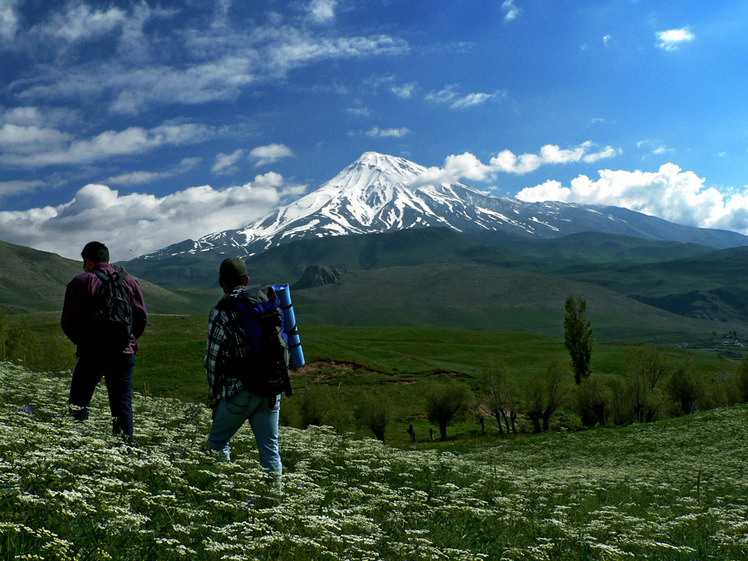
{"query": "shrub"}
pixel 685 387
pixel 373 412
pixel 312 403
pixel 621 412
pixel 741 379
pixel 593 400
pixel 445 401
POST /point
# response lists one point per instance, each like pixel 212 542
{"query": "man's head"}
pixel 93 253
pixel 232 273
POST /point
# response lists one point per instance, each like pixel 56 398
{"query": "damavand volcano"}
pixel 380 193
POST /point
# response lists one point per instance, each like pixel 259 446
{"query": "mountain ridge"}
pixel 379 193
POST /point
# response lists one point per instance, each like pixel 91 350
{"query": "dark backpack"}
pixel 112 322
pixel 258 352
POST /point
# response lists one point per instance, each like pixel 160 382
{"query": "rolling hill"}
pixel 436 276
pixel 35 281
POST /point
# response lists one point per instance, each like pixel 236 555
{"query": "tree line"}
pixel 650 389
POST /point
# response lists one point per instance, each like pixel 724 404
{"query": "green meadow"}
pixel 345 365
pixel 675 489
pixel 672 490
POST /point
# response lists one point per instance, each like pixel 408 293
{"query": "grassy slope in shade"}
pixel 32 280
pixel 674 490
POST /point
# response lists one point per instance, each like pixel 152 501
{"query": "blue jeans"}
pixel 262 414
pixel 117 373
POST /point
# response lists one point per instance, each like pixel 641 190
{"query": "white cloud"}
pixel 225 163
pixel 138 223
pixel 404 91
pixel 9 23
pixel 669 193
pixel 671 39
pixel 507 161
pixel 449 96
pixel 511 11
pixel 8 188
pixel 33 146
pixel 322 11
pixel 139 177
pixel 216 63
pixel 80 22
pixel 19 143
pixel 468 166
pixel 263 155
pixel 473 99
pixel 376 132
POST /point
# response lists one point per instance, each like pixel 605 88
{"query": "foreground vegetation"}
pixel 671 490
pixel 400 371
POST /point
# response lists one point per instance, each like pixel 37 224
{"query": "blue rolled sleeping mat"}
pixel 289 325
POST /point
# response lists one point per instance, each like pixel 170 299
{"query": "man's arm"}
pixel 73 310
pixel 216 337
pixel 139 313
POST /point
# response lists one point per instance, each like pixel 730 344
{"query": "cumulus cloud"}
pixel 671 39
pixel 271 153
pixel 669 193
pixel 468 166
pixel 137 223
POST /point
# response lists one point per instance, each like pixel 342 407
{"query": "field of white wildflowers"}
pixel 676 490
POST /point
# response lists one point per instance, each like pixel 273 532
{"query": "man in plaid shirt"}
pixel 231 403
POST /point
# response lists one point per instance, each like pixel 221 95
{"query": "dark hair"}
pixel 96 252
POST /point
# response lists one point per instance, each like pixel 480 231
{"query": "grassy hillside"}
pixel 684 279
pixel 482 297
pixel 35 281
pixel 439 277
pixel 31 279
pixel 672 490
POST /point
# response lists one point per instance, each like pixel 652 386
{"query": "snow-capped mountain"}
pixel 381 193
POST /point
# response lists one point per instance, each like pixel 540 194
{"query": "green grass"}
pixel 395 364
pixel 673 490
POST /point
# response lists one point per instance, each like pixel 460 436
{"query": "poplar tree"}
pixel 578 337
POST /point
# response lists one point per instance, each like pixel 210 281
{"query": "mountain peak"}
pixel 385 164
pixel 377 193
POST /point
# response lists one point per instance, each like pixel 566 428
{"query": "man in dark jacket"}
pixel 98 358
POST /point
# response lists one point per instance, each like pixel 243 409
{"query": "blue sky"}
pixel 145 123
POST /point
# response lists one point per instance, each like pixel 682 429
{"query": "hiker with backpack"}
pixel 104 314
pixel 246 362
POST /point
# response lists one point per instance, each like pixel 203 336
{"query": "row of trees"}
pixel 651 389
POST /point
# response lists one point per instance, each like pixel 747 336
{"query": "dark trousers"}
pixel 117 372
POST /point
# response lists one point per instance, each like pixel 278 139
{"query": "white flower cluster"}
pixel 71 491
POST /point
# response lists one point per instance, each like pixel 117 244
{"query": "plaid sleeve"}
pixel 213 349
